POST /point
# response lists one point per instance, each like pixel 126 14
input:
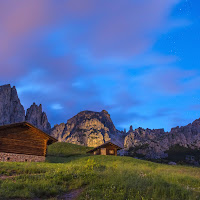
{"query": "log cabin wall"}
pixel 110 150
pixel 22 142
pixel 97 152
pixel 105 150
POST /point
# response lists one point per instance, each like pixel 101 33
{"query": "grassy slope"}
pixel 102 177
pixel 66 149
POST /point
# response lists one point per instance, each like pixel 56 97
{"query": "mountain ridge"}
pixel 12 111
pixel 91 128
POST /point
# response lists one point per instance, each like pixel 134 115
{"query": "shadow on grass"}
pixel 65 159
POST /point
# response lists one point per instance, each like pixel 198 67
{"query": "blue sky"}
pixel 137 59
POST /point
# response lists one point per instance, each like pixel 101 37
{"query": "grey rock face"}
pixel 146 142
pixel 86 128
pixel 37 117
pixel 154 143
pixel 57 131
pixel 11 110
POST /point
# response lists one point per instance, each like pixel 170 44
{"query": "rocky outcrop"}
pixel 11 110
pixel 154 144
pixel 86 128
pixel 37 117
pixel 145 142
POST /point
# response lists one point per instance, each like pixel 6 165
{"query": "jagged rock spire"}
pixel 37 117
pixel 11 110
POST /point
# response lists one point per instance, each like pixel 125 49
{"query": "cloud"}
pixel 114 28
pixel 56 106
pixel 87 55
pixel 168 80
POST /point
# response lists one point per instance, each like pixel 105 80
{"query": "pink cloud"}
pixel 101 28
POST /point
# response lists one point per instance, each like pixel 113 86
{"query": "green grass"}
pixel 66 149
pixel 101 177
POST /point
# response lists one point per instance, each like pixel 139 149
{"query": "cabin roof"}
pixel 26 124
pixel 105 144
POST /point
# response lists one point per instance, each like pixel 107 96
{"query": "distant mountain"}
pixel 88 128
pixel 12 111
pixel 91 129
pixel 155 144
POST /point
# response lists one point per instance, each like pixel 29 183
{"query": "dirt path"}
pixel 3 177
pixel 72 195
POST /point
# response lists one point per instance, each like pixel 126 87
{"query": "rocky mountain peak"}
pixel 37 117
pixel 196 123
pixel 11 110
pixel 86 128
pixel 105 112
pixel 131 129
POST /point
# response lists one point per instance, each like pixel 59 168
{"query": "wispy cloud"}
pixel 93 54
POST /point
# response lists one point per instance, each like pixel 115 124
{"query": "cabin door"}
pixel 103 151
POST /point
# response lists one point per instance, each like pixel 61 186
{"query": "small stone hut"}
pixel 23 142
pixel 108 148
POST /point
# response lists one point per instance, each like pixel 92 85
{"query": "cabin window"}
pixel 26 160
pixel 8 158
pixel 111 151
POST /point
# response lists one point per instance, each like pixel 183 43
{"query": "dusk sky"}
pixel 137 59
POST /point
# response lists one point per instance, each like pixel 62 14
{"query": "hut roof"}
pixel 26 124
pixel 104 145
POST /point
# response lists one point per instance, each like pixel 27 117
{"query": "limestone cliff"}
pixel 146 142
pixel 154 144
pixel 86 128
pixel 11 110
pixel 37 117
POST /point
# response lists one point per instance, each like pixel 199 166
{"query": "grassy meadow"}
pixel 68 168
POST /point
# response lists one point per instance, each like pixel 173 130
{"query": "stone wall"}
pixel 11 157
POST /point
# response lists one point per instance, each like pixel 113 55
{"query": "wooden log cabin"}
pixel 23 142
pixel 107 148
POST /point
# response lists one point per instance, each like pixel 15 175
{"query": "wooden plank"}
pixel 45 147
pixel 21 149
pixel 31 143
pixel 21 135
pixel 40 134
pixel 11 129
pixel 23 139
pixel 25 131
pixel 19 127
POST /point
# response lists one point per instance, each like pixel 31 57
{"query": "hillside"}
pixel 64 149
pixel 97 177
